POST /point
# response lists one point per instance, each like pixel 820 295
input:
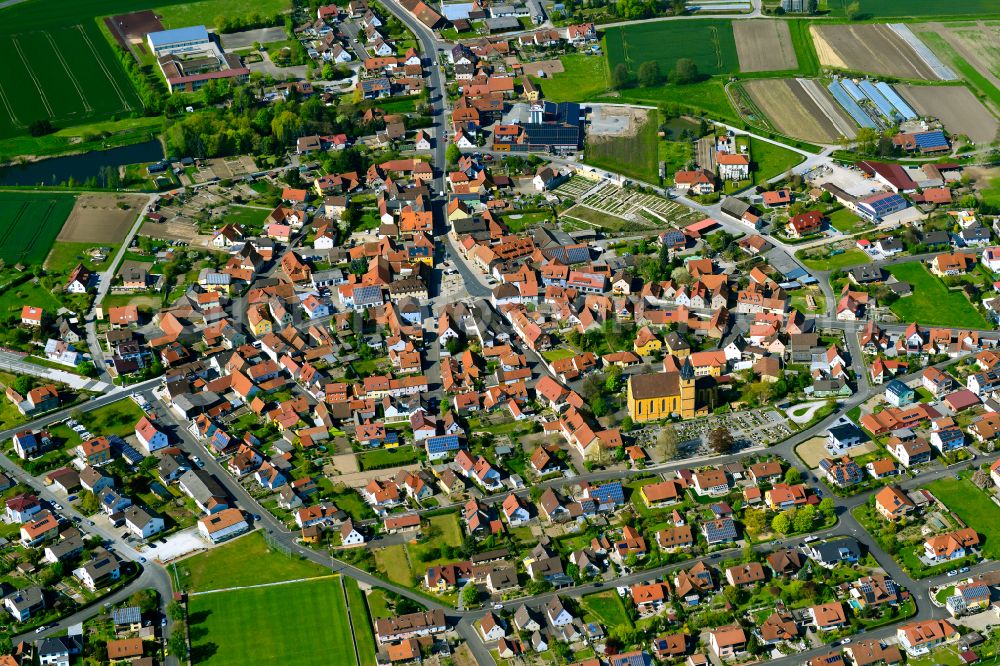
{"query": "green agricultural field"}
pixel 633 156
pixel 245 561
pixel 974 508
pixel 584 77
pixel 932 303
pixel 301 623
pixel 897 8
pixel 709 43
pixel 771 160
pixel 29 224
pixel 65 73
pixel 182 14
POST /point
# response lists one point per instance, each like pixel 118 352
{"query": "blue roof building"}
pixel 899 394
pixel 178 40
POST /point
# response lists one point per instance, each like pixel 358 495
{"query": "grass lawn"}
pixel 583 77
pixel 608 608
pixel 300 623
pixel 82 138
pixel 29 223
pixel 558 354
pixel 394 564
pixel 377 605
pixel 245 561
pixel 635 157
pixel 64 256
pixel 676 155
pixel 206 11
pixel 451 531
pixel 770 160
pixel 118 418
pixel 932 303
pixel 248 216
pixel 852 257
pixel 707 97
pixel 361 621
pixel 974 508
pixel 382 458
pixel 844 220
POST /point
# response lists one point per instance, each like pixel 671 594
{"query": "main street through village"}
pixel 155 575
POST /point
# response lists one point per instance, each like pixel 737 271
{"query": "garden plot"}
pixel 621 208
pixel 574 188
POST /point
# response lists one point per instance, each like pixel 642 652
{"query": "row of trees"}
pixel 685 71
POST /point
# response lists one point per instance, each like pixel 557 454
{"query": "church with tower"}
pixel 660 395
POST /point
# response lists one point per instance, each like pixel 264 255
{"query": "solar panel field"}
pixel 709 43
pixel 66 74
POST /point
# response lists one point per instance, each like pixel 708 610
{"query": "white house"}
pixel 141 523
pixel 149 435
pixel 223 525
pixel 423 141
pixel 350 536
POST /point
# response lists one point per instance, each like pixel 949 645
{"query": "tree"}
pixel 721 441
pixel 755 521
pixel 793 476
pixel 827 507
pixel 667 442
pixel 804 518
pixel 685 71
pixel 470 595
pixel 649 74
pixel 620 77
pixel 452 154
pixel 178 641
pixel 680 275
pixel 780 524
pixel 175 611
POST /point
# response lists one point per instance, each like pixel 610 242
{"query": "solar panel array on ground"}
pixel 840 93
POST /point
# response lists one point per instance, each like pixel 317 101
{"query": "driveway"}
pixel 178 544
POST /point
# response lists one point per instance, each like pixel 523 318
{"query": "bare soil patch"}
pixel 617 121
pixel 869 48
pixel 764 46
pixel 956 107
pixel 544 68
pixel 101 218
pixel 792 111
pixel 137 25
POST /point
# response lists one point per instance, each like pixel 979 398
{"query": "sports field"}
pixel 709 43
pixel 241 562
pixel 29 224
pixel 302 623
pixel 66 74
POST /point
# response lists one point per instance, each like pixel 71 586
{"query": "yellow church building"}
pixel 658 395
